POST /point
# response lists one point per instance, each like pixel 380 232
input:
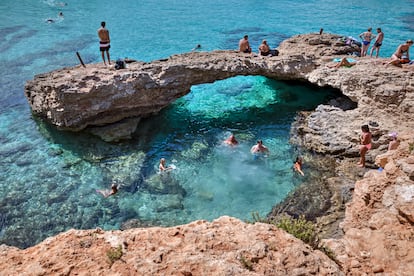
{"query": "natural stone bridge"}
pixel 76 98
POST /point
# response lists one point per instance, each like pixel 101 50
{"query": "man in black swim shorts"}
pixel 104 43
pixel 378 42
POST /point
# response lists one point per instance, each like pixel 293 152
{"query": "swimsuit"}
pixel 404 57
pixel 365 42
pixel 104 46
pixel 368 146
pixel 377 44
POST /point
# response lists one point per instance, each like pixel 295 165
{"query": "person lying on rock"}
pixel 344 62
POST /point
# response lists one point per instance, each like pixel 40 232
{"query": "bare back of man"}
pixel 104 42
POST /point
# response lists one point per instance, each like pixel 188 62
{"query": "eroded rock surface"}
pixel 378 226
pixel 379 220
pixel 226 246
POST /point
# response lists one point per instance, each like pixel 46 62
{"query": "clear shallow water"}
pixel 48 178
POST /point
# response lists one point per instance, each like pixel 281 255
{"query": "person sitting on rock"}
pixel 401 55
pixel 244 45
pixel 394 143
pixel 264 49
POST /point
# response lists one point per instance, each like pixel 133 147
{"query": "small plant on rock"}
pixel 114 254
pixel 300 228
pixel 246 263
pixel 411 147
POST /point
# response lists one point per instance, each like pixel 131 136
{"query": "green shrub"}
pixel 114 254
pixel 246 263
pixel 300 228
pixel 411 147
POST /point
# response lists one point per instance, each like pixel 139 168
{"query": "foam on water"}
pixel 49 177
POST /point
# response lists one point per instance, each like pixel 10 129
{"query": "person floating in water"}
pixel 365 144
pixel 231 141
pixel 259 148
pixel 163 168
pixel 197 47
pixel 53 20
pixel 106 193
pixel 297 166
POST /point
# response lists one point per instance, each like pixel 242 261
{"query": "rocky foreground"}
pixel 376 232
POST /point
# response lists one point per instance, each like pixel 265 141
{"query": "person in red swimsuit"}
pixel 365 138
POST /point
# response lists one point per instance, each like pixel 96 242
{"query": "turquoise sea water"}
pixel 48 178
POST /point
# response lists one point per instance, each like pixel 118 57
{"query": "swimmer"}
pixel 112 191
pixel 259 148
pixel 231 141
pixel 162 167
pixel 297 165
pixel 198 46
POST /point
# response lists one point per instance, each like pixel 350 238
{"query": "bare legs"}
pixel 107 55
pixel 364 49
pixel 362 151
pixel 377 49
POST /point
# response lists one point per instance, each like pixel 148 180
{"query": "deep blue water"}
pixel 48 177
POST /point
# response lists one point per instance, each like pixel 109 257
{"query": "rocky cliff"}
pixel 225 246
pixel 377 231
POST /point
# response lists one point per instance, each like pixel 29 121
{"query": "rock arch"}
pixel 75 98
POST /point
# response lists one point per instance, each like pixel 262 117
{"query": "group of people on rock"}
pixel 400 56
pixel 264 48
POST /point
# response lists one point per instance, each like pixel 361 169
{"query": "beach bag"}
pixel 120 64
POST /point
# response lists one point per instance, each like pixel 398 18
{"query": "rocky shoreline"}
pixel 366 215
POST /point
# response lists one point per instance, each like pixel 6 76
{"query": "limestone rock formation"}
pixel 378 227
pixel 226 246
pixel 379 221
pixel 77 97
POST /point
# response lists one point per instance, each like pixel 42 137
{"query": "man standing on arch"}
pixel 104 42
